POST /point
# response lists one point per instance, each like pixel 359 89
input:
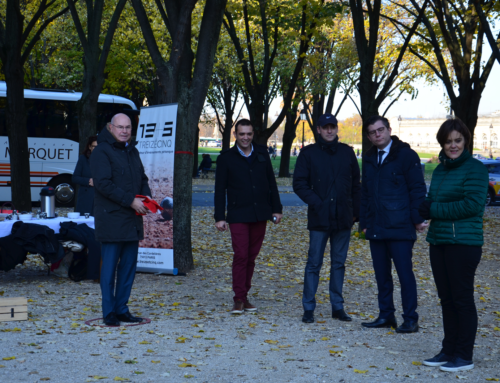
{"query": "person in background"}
pixel 326 178
pixel 393 188
pixel 245 172
pixel 83 178
pixel 205 165
pixel 455 205
pixel 119 177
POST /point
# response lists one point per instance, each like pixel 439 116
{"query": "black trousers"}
pixel 454 267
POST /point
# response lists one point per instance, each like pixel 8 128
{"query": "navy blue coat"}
pixel 392 193
pixel 81 177
pixel 319 170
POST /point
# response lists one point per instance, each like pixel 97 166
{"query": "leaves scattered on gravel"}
pixel 193 336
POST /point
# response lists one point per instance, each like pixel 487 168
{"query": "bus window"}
pixel 59 119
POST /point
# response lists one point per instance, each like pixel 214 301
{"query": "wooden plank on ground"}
pixel 13 309
pixel 17 317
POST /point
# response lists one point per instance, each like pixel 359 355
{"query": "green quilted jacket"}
pixel 458 191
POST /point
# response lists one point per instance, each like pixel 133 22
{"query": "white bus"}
pixel 52 124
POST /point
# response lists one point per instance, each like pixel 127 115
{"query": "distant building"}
pixel 420 133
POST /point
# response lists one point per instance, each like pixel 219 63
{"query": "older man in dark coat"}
pixel 118 177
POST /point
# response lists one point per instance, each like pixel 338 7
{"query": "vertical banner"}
pixel 156 145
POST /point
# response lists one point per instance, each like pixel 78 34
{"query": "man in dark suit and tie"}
pixel 393 188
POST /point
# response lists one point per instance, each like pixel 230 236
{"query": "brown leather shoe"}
pixel 238 307
pixel 249 307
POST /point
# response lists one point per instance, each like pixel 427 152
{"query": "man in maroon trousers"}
pixel 245 172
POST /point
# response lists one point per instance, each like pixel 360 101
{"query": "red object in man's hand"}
pixel 150 204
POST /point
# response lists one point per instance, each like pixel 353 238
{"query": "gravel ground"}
pixel 193 338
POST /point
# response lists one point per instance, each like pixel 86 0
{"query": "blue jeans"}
pixel 339 244
pixel 115 300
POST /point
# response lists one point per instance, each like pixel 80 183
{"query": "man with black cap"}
pixel 326 178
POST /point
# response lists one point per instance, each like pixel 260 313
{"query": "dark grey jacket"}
pixel 118 177
pixel 81 177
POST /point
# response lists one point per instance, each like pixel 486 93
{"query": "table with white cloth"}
pixel 53 223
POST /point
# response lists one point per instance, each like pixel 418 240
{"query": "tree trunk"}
pixel 18 135
pixel 179 83
pixel 226 134
pixel 367 92
pixel 183 258
pixel 288 137
pixel 87 112
pixel 466 110
pixel 195 154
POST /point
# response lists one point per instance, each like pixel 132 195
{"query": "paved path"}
pixel 206 199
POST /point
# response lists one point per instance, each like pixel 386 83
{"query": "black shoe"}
pixel 381 323
pixel 408 327
pixel 111 320
pixel 341 315
pixel 438 360
pixel 308 316
pixel 127 317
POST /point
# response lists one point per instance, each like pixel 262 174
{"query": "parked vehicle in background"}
pixel 493 167
pixel 52 124
pixel 480 157
pixel 210 142
pixel 214 144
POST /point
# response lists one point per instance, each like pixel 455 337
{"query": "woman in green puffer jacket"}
pixel 455 205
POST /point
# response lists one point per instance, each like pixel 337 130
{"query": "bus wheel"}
pixel 65 191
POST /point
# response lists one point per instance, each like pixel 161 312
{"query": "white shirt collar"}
pixel 242 153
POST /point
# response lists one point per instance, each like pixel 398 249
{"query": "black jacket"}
pixel 206 163
pixel 392 193
pixel 81 177
pixel 38 239
pixel 11 254
pixel 85 235
pixel 326 178
pixel 252 194
pixel 118 177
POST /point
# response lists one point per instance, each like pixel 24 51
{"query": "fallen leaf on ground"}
pixel 361 371
pixel 183 365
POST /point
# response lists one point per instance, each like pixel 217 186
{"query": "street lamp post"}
pixel 303 117
pixel 491 132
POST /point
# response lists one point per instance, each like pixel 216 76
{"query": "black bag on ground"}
pixel 78 269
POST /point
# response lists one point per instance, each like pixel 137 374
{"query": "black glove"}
pixel 425 209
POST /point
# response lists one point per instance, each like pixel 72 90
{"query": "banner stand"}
pixel 156 145
pixel 158 271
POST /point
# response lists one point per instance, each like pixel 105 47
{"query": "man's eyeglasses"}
pixel 119 127
pixel 374 131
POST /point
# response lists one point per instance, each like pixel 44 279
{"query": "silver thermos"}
pixel 48 201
